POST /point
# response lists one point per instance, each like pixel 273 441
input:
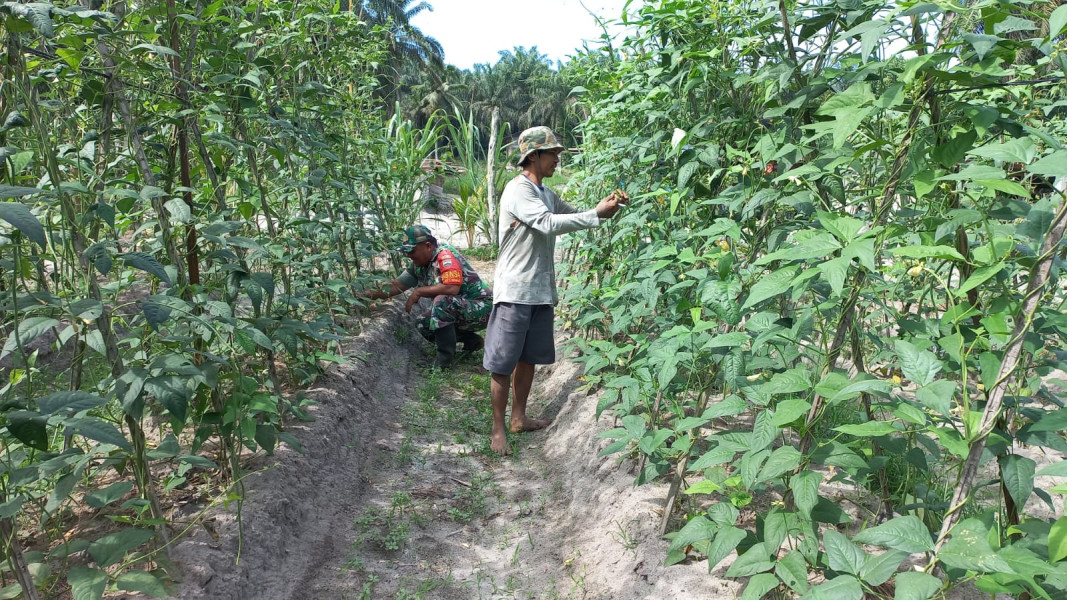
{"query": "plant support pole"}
pixel 1035 289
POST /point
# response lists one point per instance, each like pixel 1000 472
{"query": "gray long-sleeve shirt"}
pixel 531 217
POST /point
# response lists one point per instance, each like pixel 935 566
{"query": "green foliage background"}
pixel 841 265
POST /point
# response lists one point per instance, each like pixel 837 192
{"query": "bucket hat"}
pixel 537 138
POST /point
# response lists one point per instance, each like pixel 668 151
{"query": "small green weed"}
pixel 473 501
pixel 388 531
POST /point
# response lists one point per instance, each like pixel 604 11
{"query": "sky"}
pixel 475 31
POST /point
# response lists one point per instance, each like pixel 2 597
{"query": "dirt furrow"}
pixel 398 496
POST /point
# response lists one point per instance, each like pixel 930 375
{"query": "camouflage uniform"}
pixel 468 310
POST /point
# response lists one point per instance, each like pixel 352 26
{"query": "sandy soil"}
pixel 552 521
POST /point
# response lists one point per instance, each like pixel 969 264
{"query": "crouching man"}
pixel 461 300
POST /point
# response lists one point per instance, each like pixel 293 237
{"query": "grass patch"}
pixel 451 405
pixel 487 252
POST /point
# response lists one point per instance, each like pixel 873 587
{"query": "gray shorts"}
pixel 519 332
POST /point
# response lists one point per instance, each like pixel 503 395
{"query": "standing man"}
pixel 461 300
pixel 520 331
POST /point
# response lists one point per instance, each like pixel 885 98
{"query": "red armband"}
pixel 451 271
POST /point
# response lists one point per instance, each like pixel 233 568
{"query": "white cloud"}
pixel 475 31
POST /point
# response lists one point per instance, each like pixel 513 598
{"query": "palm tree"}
pixel 528 88
pixel 408 45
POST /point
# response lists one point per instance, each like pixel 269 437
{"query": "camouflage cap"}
pixel 415 235
pixel 537 138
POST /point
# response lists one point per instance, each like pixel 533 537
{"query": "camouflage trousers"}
pixel 465 314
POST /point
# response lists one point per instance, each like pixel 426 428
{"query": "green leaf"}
pixel 788 411
pixel 939 252
pixel 838 455
pixel 723 513
pixel 141 581
pixel 1056 22
pixel 847 101
pixel 845 587
pixel 146 263
pixel 953 151
pixel 698 529
pixel 716 456
pixel 161 50
pixel 1025 562
pixel 12 507
pixel 862 386
pixel 980 276
pixel 86 583
pixel 805 486
pixel 968 548
pixel 19 216
pixel 730 406
pixel 69 402
pixel 842 555
pixel 27 331
pixel 792 569
pixel 938 395
pixel 789 382
pixel 1017 474
pixel 754 560
pixel 776 527
pixel 975 172
pixel 781 461
pixel 1005 185
pixel 173 392
pixel 1055 420
pixel 155 314
pixel 1053 165
pixel 1057 540
pixel 1054 470
pixel 706 486
pixel 724 543
pixel 834 272
pixel 651 442
pixel 918 365
pixel 179 210
pixel 879 568
pixel 982 44
pixel 112 548
pixel 30 428
pixel 924 183
pixel 86 309
pixel 826 511
pixel 913 585
pixel 905 533
pixel 868 429
pixel 817 245
pixel 759 585
pixel 727 340
pixel 763 431
pixel 1015 150
pixel 258 337
pixel 688 424
pixel 112 493
pixel 772 284
pixel 843 227
pixel 97 429
pixel 1012 24
pixel 749 466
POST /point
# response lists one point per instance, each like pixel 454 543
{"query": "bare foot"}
pixel 528 424
pixel 499 443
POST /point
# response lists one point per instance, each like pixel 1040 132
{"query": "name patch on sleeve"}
pixel 451 271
